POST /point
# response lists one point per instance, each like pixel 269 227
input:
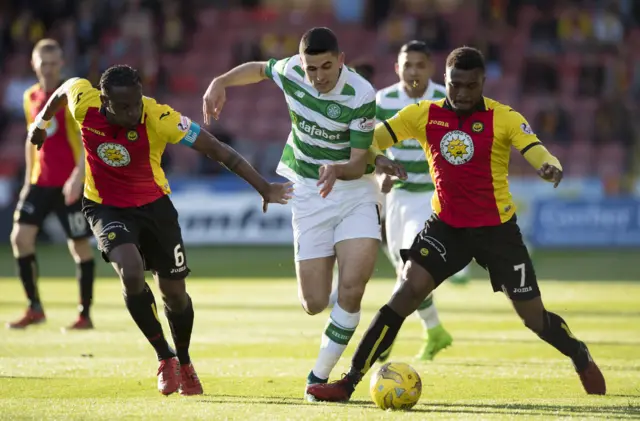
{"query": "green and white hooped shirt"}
pixel 324 127
pixel 409 153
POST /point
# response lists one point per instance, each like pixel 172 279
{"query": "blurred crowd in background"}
pixel 572 67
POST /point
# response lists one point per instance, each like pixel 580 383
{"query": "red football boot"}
pixel 189 381
pixel 31 317
pixel 82 323
pixel 592 378
pixel 338 391
pixel 168 376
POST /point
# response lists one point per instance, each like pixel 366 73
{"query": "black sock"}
pixel 181 325
pixel 28 273
pixel 377 339
pixel 85 272
pixel 143 310
pixel 557 334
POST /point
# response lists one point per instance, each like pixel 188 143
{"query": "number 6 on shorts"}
pixel 179 256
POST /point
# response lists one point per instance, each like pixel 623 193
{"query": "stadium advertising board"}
pixel 584 223
pixel 232 218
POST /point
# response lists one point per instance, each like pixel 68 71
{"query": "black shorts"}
pixel 444 250
pixel 34 206
pixel 153 228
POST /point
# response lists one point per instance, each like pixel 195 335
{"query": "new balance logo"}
pixel 299 94
pixel 163 115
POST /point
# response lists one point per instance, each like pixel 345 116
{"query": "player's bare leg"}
pixel 82 253
pixel 356 261
pixel 416 286
pixel 178 309
pixel 23 244
pixel 127 262
pixel 333 298
pixel 314 287
pixel 552 329
pixel 314 283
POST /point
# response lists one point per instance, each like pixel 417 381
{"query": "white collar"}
pixel 342 80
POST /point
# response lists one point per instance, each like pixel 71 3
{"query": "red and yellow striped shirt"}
pixel 123 165
pixel 468 156
pixel 54 162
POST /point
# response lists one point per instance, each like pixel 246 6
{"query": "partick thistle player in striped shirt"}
pixel 408 202
pixel 467 139
pixel 335 206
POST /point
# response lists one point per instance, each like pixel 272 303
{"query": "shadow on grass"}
pixel 543 410
pixel 266 307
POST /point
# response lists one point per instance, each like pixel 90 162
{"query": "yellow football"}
pixel 395 386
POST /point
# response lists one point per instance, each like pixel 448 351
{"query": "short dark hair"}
pixel 466 58
pixel 318 41
pixel 119 75
pixel 416 46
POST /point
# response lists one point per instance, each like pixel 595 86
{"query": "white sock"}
pixel 335 338
pixel 428 313
pixel 333 298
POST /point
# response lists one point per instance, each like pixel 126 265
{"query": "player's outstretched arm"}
pixel 524 139
pixel 209 145
pixel 37 134
pixel 215 96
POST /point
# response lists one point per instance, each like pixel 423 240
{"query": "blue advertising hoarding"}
pixel 586 223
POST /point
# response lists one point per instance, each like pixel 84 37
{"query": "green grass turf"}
pixel 277 262
pixel 253 346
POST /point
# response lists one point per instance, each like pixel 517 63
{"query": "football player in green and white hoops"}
pixel 336 213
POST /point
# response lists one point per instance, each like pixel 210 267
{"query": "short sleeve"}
pixel 80 96
pixel 275 70
pixel 520 134
pixel 404 125
pixel 171 126
pixel 363 122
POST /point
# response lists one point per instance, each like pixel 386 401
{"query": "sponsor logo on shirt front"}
pixel 313 130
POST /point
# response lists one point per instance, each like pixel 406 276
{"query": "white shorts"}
pixel 405 216
pixel 318 224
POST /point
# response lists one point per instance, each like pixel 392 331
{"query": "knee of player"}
pixel 174 294
pixel 351 294
pixel 131 271
pixel 533 322
pixel 81 250
pixel 314 304
pixel 23 238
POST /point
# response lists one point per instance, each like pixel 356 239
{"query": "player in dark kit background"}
pixel 127 205
pixel 53 183
pixel 467 139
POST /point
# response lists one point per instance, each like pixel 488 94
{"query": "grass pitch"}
pixel 253 347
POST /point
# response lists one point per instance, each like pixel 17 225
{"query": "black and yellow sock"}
pixel 377 339
pixel 181 325
pixel 85 272
pixel 557 334
pixel 28 273
pixel 143 310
